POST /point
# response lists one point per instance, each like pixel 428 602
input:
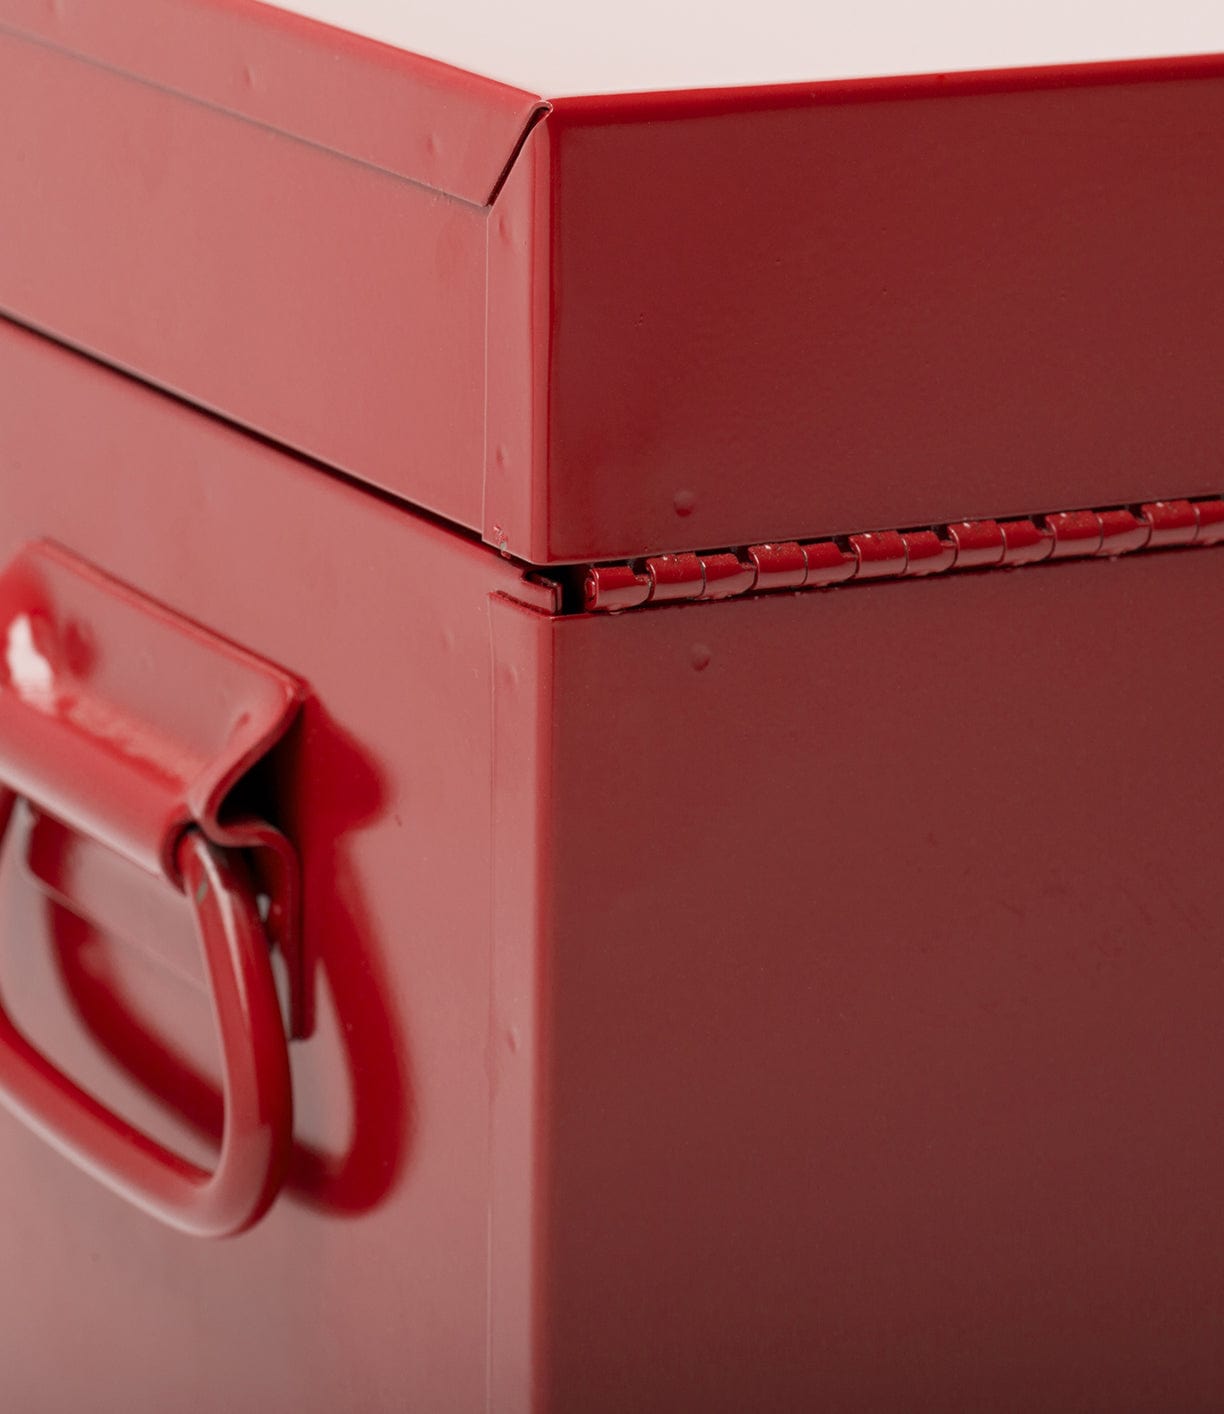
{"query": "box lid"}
pixel 669 279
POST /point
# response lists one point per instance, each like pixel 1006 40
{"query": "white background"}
pixel 566 47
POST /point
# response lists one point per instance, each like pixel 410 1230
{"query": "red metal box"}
pixel 751 944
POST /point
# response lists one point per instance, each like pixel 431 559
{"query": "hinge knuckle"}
pixel 1073 533
pixel 928 553
pixel 726 576
pixel 828 563
pixel 675 577
pixel 909 554
pixel 1171 522
pixel 880 555
pixel 1210 522
pixel 979 544
pixel 1122 532
pixel 782 566
pixel 612 587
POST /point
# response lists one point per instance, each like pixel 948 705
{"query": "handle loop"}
pixel 257 1129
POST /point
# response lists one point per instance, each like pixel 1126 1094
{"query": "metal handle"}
pixel 255 1073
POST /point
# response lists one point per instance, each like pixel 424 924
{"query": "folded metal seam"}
pixel 892 554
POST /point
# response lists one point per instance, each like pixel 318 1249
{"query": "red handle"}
pixel 255 1074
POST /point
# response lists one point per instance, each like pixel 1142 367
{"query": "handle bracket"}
pixel 130 727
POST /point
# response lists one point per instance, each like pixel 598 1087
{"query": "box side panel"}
pixel 885 984
pixel 366 1286
pixel 324 303
pixel 880 307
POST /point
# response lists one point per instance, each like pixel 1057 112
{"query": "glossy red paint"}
pixel 599 328
pixel 905 554
pixel 781 566
pixel 675 577
pixel 409 116
pixel 786 1002
pixel 101 718
pixel 813 311
pixel 1171 523
pixel 1210 522
pixel 1075 533
pixel 979 544
pixel 328 304
pixel 879 554
pixel 927 553
pixel 134 729
pixel 800 1001
pixel 724 576
pixel 1123 532
pixel 880 984
pixel 1026 542
pixel 828 563
pixel 258 1112
pixel 367 1284
pixel 103 725
pixel 616 587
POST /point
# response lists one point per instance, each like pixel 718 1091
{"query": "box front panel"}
pixel 366 1286
pixel 883 991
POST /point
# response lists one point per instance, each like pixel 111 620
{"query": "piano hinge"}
pixel 895 554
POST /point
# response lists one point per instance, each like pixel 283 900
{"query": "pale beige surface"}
pixel 565 47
